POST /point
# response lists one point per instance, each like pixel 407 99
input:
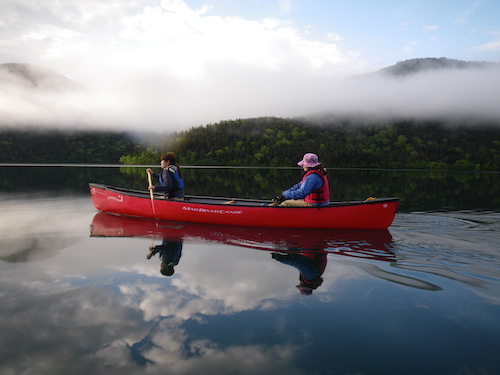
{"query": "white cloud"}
pixel 465 15
pixel 285 5
pixel 430 27
pixel 170 35
pixel 491 46
pixel 168 66
pixel 165 64
pixel 435 94
pixel 186 42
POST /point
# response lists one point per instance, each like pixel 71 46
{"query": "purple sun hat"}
pixel 309 160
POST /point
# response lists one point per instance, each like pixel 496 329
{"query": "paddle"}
pixel 151 194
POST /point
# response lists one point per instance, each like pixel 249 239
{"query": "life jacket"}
pixel 177 178
pixel 320 195
pixel 178 181
pixel 317 260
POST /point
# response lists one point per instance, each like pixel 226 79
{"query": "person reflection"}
pixel 311 265
pixel 170 252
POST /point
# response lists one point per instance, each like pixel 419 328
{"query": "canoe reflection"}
pixel 371 244
pixel 304 249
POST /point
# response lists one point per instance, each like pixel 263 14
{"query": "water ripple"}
pixel 462 246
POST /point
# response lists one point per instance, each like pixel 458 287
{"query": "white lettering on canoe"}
pixel 207 211
pixel 118 198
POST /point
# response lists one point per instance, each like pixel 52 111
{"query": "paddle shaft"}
pixel 151 194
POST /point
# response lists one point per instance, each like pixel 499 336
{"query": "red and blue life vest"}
pixel 320 195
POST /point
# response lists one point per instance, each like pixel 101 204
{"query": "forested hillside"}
pixel 281 142
pixel 52 146
pixel 413 66
pixel 273 142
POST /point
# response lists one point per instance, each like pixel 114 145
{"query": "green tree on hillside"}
pixel 280 142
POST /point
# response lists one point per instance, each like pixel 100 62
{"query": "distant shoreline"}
pixel 86 165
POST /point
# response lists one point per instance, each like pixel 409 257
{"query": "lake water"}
pixel 79 294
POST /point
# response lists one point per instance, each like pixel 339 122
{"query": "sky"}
pixel 174 64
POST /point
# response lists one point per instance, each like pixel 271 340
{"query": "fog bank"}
pixel 156 101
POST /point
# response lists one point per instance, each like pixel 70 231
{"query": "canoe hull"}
pixel 377 214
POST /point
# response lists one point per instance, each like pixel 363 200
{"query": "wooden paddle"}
pixel 151 194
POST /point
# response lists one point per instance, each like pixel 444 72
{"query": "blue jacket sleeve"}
pixel 166 182
pixel 304 188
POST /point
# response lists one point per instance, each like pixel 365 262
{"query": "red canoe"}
pixel 374 214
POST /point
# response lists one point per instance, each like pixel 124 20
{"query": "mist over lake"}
pixel 158 101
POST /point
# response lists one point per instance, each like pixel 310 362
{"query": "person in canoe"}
pixel 312 190
pixel 170 178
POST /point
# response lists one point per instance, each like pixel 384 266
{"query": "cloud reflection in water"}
pixel 99 305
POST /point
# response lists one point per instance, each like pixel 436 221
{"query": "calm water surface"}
pixel 79 294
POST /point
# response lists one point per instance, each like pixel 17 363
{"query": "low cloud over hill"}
pixel 31 77
pixel 422 88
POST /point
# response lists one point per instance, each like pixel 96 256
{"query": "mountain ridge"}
pixel 42 78
pixel 419 65
pixel 36 77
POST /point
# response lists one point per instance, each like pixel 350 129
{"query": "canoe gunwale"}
pixel 235 202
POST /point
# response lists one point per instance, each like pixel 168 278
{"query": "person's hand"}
pixel 151 187
pixel 149 171
pixel 278 199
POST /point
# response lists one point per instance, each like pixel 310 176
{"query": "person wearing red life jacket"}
pixel 312 190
